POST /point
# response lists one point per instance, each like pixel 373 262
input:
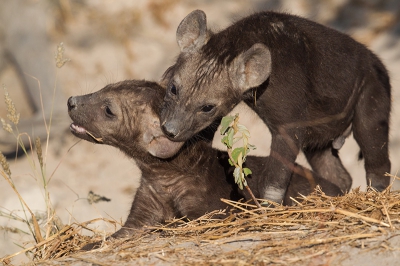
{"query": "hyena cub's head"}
pixel 209 77
pixel 123 115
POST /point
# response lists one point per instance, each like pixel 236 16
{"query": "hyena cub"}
pixel 311 85
pixel 189 184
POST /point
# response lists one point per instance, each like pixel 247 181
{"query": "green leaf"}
pixel 245 142
pixel 224 140
pixel 236 152
pixel 236 174
pixel 225 123
pixel 236 139
pixel 240 160
pixel 241 179
pixel 247 171
pixel 242 129
pixel 229 127
pixel 231 133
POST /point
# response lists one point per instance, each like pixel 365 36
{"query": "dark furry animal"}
pixel 311 85
pixel 191 183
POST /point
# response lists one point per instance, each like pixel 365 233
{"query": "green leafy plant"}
pixel 234 132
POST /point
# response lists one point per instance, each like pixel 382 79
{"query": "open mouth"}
pixel 79 130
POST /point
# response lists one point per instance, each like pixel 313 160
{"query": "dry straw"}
pixel 39 151
pixel 4 164
pixel 10 124
pixel 318 225
pixel 12 114
pixel 59 56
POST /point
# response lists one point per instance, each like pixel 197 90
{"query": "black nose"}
pixel 71 103
pixel 169 130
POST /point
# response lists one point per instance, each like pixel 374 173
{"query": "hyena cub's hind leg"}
pixel 371 131
pixel 327 163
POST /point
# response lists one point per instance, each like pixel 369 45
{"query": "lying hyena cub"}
pixel 191 183
pixel 311 85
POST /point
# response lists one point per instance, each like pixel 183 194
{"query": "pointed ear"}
pixel 251 68
pixel 192 31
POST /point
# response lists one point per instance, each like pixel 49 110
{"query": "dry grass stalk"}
pixel 36 228
pixel 12 114
pixel 59 56
pixel 65 242
pixel 13 118
pixel 4 164
pixel 100 140
pixel 320 225
pixel 6 126
pixel 39 152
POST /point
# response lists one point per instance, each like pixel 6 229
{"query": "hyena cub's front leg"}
pixel 148 209
pixel 284 151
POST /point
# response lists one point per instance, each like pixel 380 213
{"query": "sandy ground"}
pixel 109 42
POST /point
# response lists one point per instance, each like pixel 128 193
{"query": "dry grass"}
pixel 40 234
pixel 317 225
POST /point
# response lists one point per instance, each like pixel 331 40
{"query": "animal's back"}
pixel 318 73
pixel 320 59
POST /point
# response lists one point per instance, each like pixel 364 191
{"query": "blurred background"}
pixel 109 41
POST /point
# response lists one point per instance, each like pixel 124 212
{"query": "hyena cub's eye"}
pixel 207 108
pixel 173 89
pixel 109 113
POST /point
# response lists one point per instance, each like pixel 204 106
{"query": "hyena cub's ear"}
pixel 192 31
pixel 251 68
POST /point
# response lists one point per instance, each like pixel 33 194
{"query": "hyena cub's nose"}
pixel 169 130
pixel 71 103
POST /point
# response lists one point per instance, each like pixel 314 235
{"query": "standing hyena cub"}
pixel 309 84
pixel 192 182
